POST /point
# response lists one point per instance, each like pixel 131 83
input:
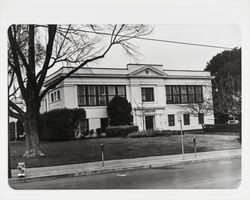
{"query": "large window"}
pixel 177 94
pixel 98 95
pixel 171 120
pixel 55 96
pixel 147 94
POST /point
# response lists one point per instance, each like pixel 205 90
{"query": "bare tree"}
pixel 204 107
pixel 35 49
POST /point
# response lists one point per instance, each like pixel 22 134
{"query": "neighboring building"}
pixel 156 95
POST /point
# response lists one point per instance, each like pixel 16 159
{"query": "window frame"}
pixel 177 98
pixel 186 121
pixel 97 95
pixel 145 89
pixel 172 120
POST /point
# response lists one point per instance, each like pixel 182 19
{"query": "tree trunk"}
pixel 31 133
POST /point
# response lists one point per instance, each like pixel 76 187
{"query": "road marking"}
pixel 122 175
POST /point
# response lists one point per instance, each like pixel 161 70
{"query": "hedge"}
pixel 60 124
pixel 120 131
pixel 152 133
pixel 222 128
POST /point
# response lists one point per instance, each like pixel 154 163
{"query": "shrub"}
pixel 119 111
pixel 120 131
pixel 60 124
pixel 152 133
pixel 222 128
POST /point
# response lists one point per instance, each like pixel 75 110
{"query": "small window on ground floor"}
pixel 186 119
pixel 201 118
pixel 171 121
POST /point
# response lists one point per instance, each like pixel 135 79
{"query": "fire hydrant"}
pixel 21 167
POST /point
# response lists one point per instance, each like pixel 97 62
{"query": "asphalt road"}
pixel 220 174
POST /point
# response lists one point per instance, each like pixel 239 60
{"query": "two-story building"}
pixel 157 95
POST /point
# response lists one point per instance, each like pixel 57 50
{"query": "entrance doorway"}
pixel 149 122
pixel 104 124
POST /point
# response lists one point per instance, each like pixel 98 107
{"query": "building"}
pixel 157 95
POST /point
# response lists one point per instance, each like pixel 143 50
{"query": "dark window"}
pixel 201 118
pixel 169 94
pixel 58 95
pixel 176 94
pixel 186 119
pixel 147 94
pixel 52 97
pixel 171 120
pixel 92 95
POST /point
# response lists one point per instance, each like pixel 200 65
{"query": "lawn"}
pixel 88 150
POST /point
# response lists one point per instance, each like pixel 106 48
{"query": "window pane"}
pixel 169 94
pixel 92 95
pixel 121 91
pixel 176 94
pixel 198 91
pixel 171 120
pixel 186 119
pixel 147 94
pixel 101 95
pixel 111 90
pixel 82 99
pixel 58 94
pixel 183 94
pixel 201 118
pixel 191 96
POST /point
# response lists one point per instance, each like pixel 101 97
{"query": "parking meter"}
pixel 102 152
pixel 194 141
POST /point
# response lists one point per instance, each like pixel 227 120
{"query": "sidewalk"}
pixel 33 174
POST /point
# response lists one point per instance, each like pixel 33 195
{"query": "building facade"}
pixel 158 97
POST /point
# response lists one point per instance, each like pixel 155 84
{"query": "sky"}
pixel 178 56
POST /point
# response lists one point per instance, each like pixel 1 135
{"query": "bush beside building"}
pixel 60 124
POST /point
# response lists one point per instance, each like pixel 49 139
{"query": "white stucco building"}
pixel 156 95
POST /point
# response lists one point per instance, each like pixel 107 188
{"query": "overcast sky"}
pixel 178 56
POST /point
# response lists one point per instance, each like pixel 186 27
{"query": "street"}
pixel 219 174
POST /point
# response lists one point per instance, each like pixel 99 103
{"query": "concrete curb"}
pixel 111 169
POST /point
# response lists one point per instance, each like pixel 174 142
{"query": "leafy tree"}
pixel 226 68
pixel 33 50
pixel 119 111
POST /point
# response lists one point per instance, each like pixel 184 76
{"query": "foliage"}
pixel 222 128
pixel 226 67
pixel 119 111
pixel 152 133
pixel 120 131
pixel 60 124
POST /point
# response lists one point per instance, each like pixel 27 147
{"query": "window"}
pixel 98 95
pixel 147 94
pixel 176 94
pixel 201 118
pixel 111 92
pixel 101 95
pixel 58 95
pixel 186 118
pixel 171 120
pixel 92 95
pixel 52 97
pixel 55 96
pixel 82 97
pixel 84 126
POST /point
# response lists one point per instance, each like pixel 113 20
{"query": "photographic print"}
pixel 124 106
